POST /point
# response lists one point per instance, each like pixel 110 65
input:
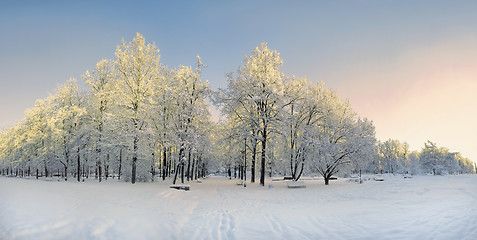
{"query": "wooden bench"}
pixel 181 187
pixel 296 184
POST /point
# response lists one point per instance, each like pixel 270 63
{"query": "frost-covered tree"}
pixel 293 118
pixel 68 111
pixel 393 156
pixel 306 109
pixel 262 74
pixel 254 95
pixel 137 67
pixel 242 117
pixel 414 161
pixel 39 133
pixel 189 100
pixel 364 141
pixel 336 137
pixel 163 112
pixel 100 82
pixel 20 148
pixel 431 158
pixel 439 161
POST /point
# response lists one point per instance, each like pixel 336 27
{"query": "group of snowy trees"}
pixel 131 121
pixel 138 120
pixel 289 124
pixel 396 157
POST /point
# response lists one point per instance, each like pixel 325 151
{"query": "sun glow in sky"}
pixel 410 66
pixel 431 95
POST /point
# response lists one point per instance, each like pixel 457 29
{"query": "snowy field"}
pixel 423 207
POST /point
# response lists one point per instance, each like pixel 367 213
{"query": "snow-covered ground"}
pixel 423 207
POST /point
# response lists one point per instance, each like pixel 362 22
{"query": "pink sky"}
pixel 425 93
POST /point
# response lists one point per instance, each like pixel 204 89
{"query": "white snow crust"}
pixel 422 207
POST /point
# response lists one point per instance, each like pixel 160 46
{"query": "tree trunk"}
pixel 199 161
pixel 271 170
pixel 99 172
pixel 176 170
pixel 264 148
pixel 188 166
pixel 86 171
pixel 66 171
pixel 327 180
pixel 170 162
pixel 254 156
pixel 245 168
pixel 302 167
pixel 153 168
pixel 120 162
pixel 78 164
pixel 182 172
pixel 360 180
pixel 169 167
pixel 37 173
pixel 98 164
pixel 106 171
pixel 133 169
pixel 106 167
pixel 134 160
pixel 292 150
pixel 193 165
pixel 164 164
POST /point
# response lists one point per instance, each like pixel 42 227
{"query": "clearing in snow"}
pixel 422 207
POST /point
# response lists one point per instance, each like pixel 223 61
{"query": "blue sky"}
pixel 407 65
